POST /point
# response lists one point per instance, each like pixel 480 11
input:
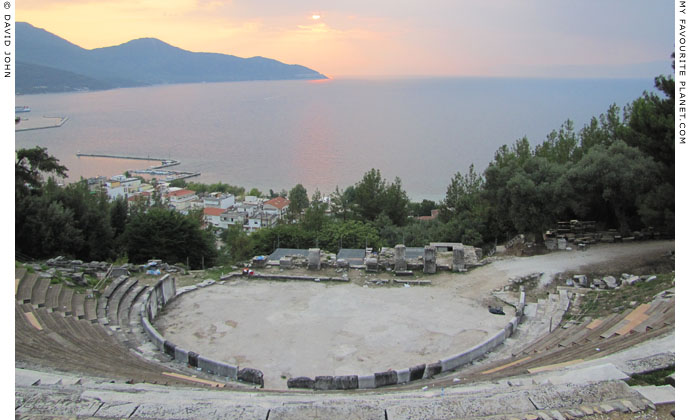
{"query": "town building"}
pixel 277 206
pixel 212 216
pixel 219 200
pixel 181 199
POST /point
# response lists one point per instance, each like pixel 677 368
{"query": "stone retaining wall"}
pixel 160 295
pixel 423 371
pixel 258 276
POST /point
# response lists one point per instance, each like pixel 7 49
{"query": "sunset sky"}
pixel 523 38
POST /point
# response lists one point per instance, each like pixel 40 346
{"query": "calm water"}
pixel 321 134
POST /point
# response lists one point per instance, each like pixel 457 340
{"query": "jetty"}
pixel 153 170
pixel 26 124
pixel 164 162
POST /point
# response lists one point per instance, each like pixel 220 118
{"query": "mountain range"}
pixel 48 63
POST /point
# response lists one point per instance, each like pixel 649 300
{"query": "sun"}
pixel 316 16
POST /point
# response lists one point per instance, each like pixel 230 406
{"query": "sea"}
pixel 322 134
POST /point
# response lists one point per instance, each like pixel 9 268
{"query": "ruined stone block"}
pixel 582 280
pixel 400 262
pixel 346 382
pixel 285 262
pixel 385 378
pixel 611 282
pixel 417 372
pixel 429 260
pixel 169 348
pixel 371 264
pixel 323 383
pixel 314 259
pixel 433 369
pixel 251 375
pixel 403 376
pixel 301 382
pixel 458 258
pixel 479 253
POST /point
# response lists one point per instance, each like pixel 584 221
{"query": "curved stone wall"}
pixel 157 298
pixel 165 291
pixel 423 371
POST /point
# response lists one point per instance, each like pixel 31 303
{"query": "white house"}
pixel 114 190
pixel 219 200
pixel 212 216
pixel 277 206
pixel 130 185
pixel 232 217
pixel 258 220
pixel 181 199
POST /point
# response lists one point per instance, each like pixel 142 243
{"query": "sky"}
pixel 501 38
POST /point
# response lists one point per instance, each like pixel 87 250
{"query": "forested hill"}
pixel 48 63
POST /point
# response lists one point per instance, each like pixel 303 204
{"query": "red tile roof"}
pixel 213 211
pixel 180 193
pixel 434 215
pixel 278 202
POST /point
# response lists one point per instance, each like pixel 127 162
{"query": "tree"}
pixel 524 192
pixel 29 166
pixel 315 214
pixel 342 203
pixel 348 234
pixel 422 208
pixel 91 214
pixel 169 235
pixel 464 209
pixel 238 243
pixel 118 217
pixel 373 196
pixel 178 183
pixel 651 127
pixel 396 203
pixel 604 131
pixel 44 228
pixel 264 241
pixel 369 195
pixel 255 192
pixel 618 177
pixel 298 201
pixel 534 196
pixel 560 146
pixel 463 194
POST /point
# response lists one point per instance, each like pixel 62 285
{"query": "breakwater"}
pixel 153 170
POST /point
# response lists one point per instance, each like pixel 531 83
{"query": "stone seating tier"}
pixel 38 292
pixel 52 296
pixel 26 284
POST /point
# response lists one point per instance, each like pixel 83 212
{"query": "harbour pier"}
pixel 153 170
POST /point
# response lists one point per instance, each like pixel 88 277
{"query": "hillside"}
pixel 33 78
pixel 48 63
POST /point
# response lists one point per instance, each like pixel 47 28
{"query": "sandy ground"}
pixel 296 328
